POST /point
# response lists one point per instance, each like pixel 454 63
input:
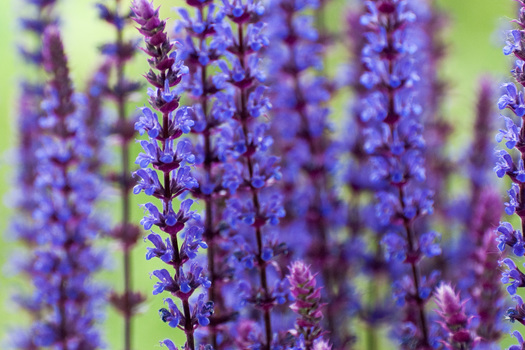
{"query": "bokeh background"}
pixel 474 36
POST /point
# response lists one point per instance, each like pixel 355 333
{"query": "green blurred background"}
pixel 474 34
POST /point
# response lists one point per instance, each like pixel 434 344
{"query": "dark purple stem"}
pixel 415 273
pixel 177 260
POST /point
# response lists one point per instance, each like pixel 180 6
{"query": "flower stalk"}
pixel 168 178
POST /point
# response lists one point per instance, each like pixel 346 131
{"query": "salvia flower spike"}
pixel 254 205
pixel 29 135
pixel 165 174
pixel 64 262
pixel 307 305
pixel 454 320
pixel 201 45
pixel 395 145
pixel 301 130
pixel 507 164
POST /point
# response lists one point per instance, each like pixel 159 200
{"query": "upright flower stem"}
pixel 177 260
pixel 124 189
pixel 376 309
pixel 169 178
pixel 301 131
pixel 29 136
pixel 249 174
pixel 415 270
pixel 201 47
pixel 244 120
pixel 66 197
pixel 395 145
pixel 320 184
pixel 120 52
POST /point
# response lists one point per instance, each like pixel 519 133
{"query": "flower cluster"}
pixel 395 146
pixel 512 100
pixel 201 46
pixel 24 225
pixel 480 217
pixel 374 308
pixel 171 159
pixel 307 304
pixel 254 207
pixel 300 126
pixel 454 321
pixel 65 298
pixel 30 102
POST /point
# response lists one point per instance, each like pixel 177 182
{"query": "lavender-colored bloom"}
pixel 253 206
pixel 480 155
pixel 454 319
pixel 481 278
pixel 307 304
pixel 201 46
pixel 512 100
pixel 395 146
pixel 303 136
pixel 169 158
pixel 64 261
pixel 29 131
pixel 29 137
pixel 479 200
pixel 374 309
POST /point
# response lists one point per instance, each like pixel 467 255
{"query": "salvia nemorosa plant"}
pixel 254 205
pixel 487 297
pixel 118 55
pixel 481 153
pixel 302 134
pixel 165 174
pixel 511 165
pixel 256 105
pixel 65 298
pixel 395 147
pixel 201 45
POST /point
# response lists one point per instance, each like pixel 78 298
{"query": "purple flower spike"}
pixel 166 176
pixel 454 321
pixel 29 140
pixel 391 110
pixel 512 102
pixel 300 93
pixel 307 304
pixel 65 190
pixel 236 172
